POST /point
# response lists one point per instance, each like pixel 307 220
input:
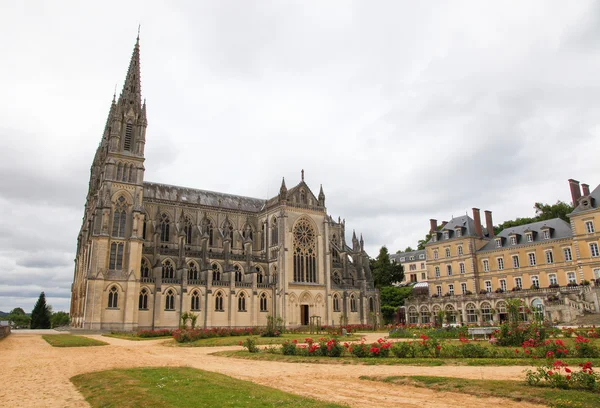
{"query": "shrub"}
pixel 274 327
pixel 360 350
pixel 250 345
pixel 585 349
pixel 404 349
pixel 514 334
pixel 289 348
pixel 473 350
pixel 557 374
pixel 154 333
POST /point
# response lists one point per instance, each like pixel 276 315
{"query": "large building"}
pixel 148 252
pixel 414 264
pixel 552 265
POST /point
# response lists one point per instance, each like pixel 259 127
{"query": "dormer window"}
pixel 446 235
pixel 529 236
pixel 421 256
pixel 434 238
pixel 546 234
pixel 458 233
pixel 498 242
pixel 513 240
pixel 402 259
pixel 412 258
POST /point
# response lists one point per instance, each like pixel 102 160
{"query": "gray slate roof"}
pixel 168 192
pixel 463 221
pixel 407 255
pixel 561 228
pixel 593 202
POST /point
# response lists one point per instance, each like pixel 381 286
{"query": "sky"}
pixel 402 110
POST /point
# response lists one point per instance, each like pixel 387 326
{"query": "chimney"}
pixel 586 189
pixel 477 219
pixel 489 225
pixel 575 192
pixel 444 223
pixel 432 225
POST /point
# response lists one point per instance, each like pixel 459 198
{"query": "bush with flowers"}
pixel 190 335
pixel 584 348
pixel 557 374
pixel 250 345
pixel 154 333
pixel 515 333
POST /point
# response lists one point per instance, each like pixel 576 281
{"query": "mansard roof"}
pixel 588 203
pixel 560 229
pixel 464 222
pixel 407 255
pixel 168 192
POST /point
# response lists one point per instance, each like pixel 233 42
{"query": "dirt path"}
pixel 36 374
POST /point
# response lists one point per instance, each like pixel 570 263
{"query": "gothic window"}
pixel 260 276
pixel 352 303
pixel 113 298
pixel 274 232
pixel 207 227
pixel 305 252
pixel 263 302
pixel 170 300
pixel 187 230
pixel 336 303
pixel 144 229
pixel 126 170
pixel 335 255
pixel 116 256
pixel 247 233
pixel 371 305
pixel 302 197
pixel 167 270
pixel 216 272
pixel 128 136
pixel 262 237
pixel 219 302
pixel 132 171
pixel 144 269
pixel 336 278
pixel 195 300
pixel 238 273
pixel 242 302
pixel 143 301
pixel 164 228
pixel 192 272
pixel 119 217
pixel 119 171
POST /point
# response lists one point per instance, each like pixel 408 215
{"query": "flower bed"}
pixel 154 333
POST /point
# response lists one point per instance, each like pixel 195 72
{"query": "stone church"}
pixel 148 252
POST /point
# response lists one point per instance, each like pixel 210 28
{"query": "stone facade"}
pixel 148 252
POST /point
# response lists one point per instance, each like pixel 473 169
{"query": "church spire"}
pixel 321 197
pixel 132 88
pixel 283 190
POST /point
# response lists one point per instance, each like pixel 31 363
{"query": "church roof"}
pixel 158 191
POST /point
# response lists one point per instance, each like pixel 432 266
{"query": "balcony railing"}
pixel 171 280
pixel 196 282
pixel 220 283
pixel 501 295
pixel 147 280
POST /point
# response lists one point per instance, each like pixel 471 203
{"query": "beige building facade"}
pixel 148 252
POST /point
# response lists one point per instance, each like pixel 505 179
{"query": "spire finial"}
pixel 115 94
pixel 138 37
pixel 302 173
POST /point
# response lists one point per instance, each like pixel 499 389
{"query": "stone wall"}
pixel 4 331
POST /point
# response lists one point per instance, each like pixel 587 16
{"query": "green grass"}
pixel 514 390
pixel 133 336
pixel 68 340
pixel 181 387
pixel 431 362
pixel 235 340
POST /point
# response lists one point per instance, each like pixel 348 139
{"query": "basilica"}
pixel 149 252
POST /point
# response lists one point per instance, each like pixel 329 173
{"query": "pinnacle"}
pixel 132 89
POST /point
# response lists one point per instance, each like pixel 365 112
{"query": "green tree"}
pixel 18 318
pixel 391 299
pixel 386 272
pixel 408 249
pixel 59 319
pixel 40 315
pixel 542 212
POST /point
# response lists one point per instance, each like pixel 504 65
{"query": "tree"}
pixel 59 319
pixel 408 249
pixel 542 212
pixel 384 271
pixel 391 299
pixel 40 315
pixel 18 318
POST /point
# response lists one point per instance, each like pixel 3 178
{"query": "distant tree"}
pixel 408 249
pixel 40 315
pixel 542 212
pixel 386 272
pixel 18 318
pixel 391 299
pixel 59 319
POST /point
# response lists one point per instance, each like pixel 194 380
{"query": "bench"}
pixel 485 331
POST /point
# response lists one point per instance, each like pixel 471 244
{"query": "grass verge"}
pixel 235 340
pixel 181 387
pixel 514 390
pixel 69 340
pixel 428 362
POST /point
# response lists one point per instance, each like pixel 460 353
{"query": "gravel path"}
pixel 36 374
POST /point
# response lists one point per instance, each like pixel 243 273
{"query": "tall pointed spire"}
pixel 321 197
pixel 283 190
pixel 132 88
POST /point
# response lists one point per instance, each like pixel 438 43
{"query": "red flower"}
pixel 438 347
pixel 567 369
pixel 550 373
pixel 568 377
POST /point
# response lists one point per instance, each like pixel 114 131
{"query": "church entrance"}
pixel 304 315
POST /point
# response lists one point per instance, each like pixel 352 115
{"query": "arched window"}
pixel 216 271
pixel 424 315
pixel 143 301
pixel 164 228
pixel 471 313
pixel 371 305
pixel 132 173
pixel 167 270
pixel 119 217
pixel 335 255
pixel 538 309
pixel 263 302
pixel 274 232
pixel 192 272
pixel 207 228
pixel 128 137
pixel 305 252
pixel 170 300
pixel 187 230
pixel 486 312
pixel 352 303
pixel 219 302
pixel 336 303
pixel 144 269
pixel 116 256
pixel 238 273
pixel 242 302
pixel 336 278
pixel 450 314
pixel 413 316
pixel 195 300
pixel 119 171
pixel 260 276
pixel 113 298
pixel 126 171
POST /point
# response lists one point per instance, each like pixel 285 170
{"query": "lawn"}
pixel 235 340
pixel 133 336
pixel 515 390
pixel 69 340
pixel 181 387
pixel 432 362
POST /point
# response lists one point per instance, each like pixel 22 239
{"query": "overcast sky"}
pixel 403 111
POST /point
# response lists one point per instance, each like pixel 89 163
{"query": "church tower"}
pixel 109 244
